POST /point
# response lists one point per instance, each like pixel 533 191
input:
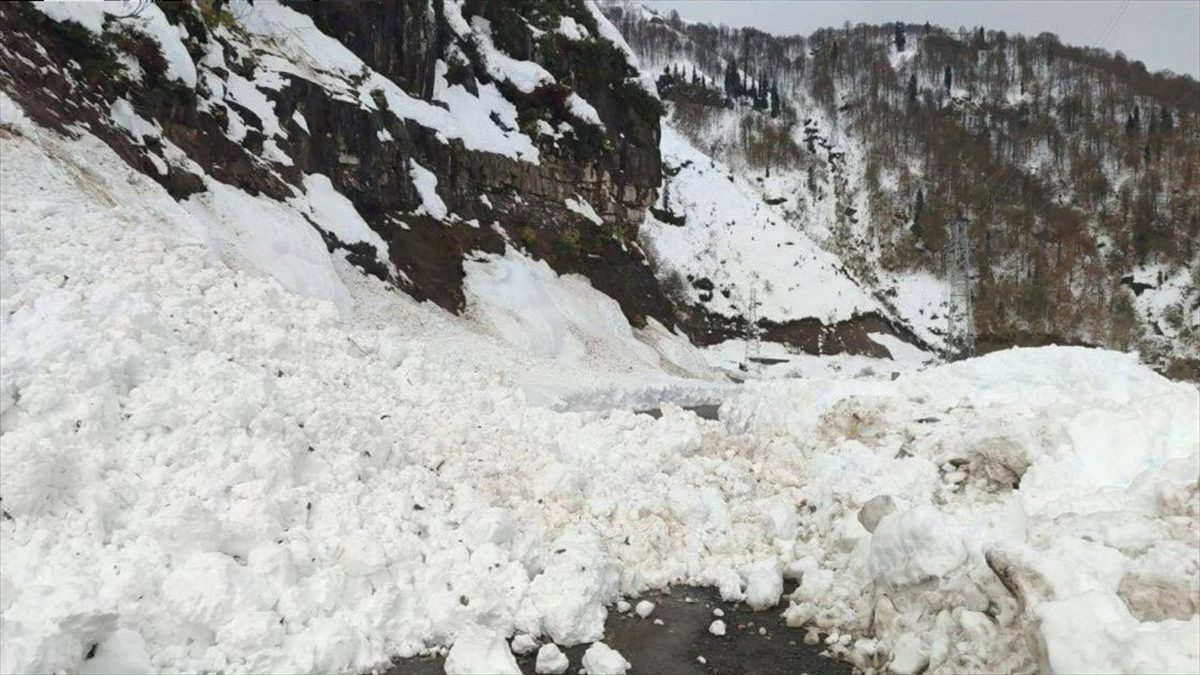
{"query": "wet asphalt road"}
pixel 672 648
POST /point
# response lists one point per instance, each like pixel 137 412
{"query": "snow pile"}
pixel 204 472
pixel 1027 509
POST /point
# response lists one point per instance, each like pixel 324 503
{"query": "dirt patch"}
pixel 754 642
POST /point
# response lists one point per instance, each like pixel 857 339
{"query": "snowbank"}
pixel 1026 509
pixel 202 471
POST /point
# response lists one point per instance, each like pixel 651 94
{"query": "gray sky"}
pixel 1163 34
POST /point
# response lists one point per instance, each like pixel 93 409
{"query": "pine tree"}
pixel 912 89
pixel 899 37
pixel 776 104
pixel 1133 123
pixel 947 78
pixel 733 82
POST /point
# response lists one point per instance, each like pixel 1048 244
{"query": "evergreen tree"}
pixel 733 82
pixel 1133 123
pixel 899 37
pixel 776 104
pixel 947 78
pixel 912 89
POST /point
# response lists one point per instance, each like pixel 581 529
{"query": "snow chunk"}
pixel 573 589
pixel 1094 633
pixel 914 546
pixel 764 584
pixel 551 660
pixel 717 627
pixel 524 643
pixel 600 659
pixel 480 651
pixel 571 28
pixel 644 608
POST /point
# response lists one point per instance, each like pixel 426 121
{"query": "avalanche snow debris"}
pixel 1079 476
pixel 551 660
pixel 204 471
pixel 600 659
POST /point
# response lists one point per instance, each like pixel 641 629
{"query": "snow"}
pixel 272 238
pixel 238 481
pixel 733 239
pixel 1093 632
pixel 609 32
pixel 572 29
pixel 583 110
pixel 332 212
pixel 600 659
pixel 560 317
pixel 426 184
pixel 1054 470
pixel 551 660
pixel 145 18
pixel 717 628
pixel 526 76
pixel 583 208
pixel 292 45
pixel 480 651
pixel 644 608
pixel 224 449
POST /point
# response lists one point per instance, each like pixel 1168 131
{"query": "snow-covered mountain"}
pixel 1073 171
pixel 323 327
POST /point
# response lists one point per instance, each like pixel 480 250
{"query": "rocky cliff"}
pixel 410 136
pixel 527 123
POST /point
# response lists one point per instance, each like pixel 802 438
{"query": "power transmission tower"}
pixel 960 333
pixel 754 341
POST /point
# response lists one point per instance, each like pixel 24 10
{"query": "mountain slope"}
pixel 1073 171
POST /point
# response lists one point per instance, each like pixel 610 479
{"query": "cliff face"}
pixel 450 127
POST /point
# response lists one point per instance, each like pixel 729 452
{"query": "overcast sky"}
pixel 1163 34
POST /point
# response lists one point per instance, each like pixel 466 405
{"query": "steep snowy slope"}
pixel 726 252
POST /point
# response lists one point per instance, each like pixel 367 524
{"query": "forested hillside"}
pixel 1072 172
